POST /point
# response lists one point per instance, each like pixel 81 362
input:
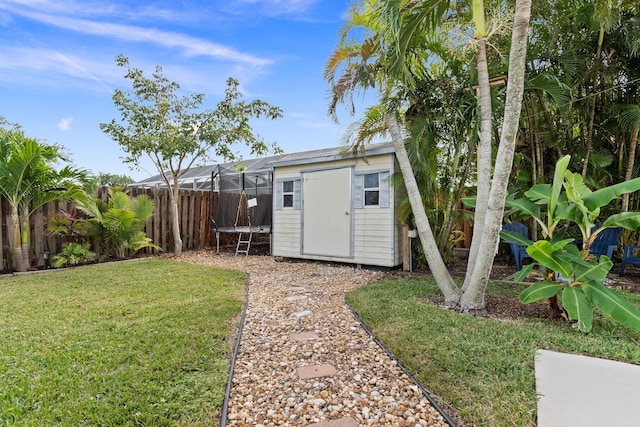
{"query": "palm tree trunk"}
pixel 17 240
pixel 592 114
pixel 438 269
pixel 484 158
pixel 25 234
pixel 533 136
pixel 630 164
pixel 472 298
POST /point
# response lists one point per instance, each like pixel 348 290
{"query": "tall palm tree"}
pixel 29 180
pixel 398 33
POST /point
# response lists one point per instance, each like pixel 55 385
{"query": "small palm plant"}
pixel 119 221
pixel 73 254
pixel 574 275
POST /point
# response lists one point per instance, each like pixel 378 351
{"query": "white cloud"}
pixel 22 64
pixel 190 46
pixel 65 124
pixel 88 8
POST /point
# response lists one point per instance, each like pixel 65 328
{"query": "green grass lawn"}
pixel 128 343
pixel 480 369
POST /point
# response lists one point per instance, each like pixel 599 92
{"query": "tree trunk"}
pixel 484 149
pixel 592 114
pixel 533 136
pixel 24 241
pixel 17 240
pixel 472 298
pixel 555 311
pixel 438 269
pixel 630 164
pixel 174 194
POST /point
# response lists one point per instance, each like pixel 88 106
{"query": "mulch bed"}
pixel 510 308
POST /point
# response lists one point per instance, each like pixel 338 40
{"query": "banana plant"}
pixel 572 275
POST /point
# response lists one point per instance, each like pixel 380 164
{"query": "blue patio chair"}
pixel 605 242
pixel 518 252
pixel 628 257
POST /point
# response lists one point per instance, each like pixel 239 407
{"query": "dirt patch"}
pixel 510 308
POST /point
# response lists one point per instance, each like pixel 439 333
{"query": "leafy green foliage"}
pixel 113 180
pixel 568 199
pixel 120 221
pixel 29 179
pixel 73 254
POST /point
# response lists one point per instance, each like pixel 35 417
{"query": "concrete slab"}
pixel 303 336
pixel 342 422
pixel 580 391
pixel 302 313
pixel 296 298
pixel 316 371
pixel 297 288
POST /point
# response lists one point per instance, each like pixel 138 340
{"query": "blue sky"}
pixel 58 71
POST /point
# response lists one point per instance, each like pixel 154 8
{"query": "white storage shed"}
pixel 332 206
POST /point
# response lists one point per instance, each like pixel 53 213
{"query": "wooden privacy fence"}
pixel 195 224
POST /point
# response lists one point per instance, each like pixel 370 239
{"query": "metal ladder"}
pixel 243 243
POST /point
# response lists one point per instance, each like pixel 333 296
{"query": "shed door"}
pixel 327 214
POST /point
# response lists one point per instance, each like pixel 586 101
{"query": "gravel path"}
pixel 305 360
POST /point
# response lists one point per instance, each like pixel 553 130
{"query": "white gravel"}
pixel 368 388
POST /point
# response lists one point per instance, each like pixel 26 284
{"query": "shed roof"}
pixel 330 155
pixel 199 177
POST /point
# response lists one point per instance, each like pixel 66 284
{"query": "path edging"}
pixel 424 391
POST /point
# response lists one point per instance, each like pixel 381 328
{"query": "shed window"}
pixel 372 189
pixel 287 194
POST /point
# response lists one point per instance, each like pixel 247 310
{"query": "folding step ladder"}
pixel 243 245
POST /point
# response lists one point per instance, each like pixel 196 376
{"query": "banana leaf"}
pixel 514 237
pixel 578 308
pixel 612 304
pixel 605 195
pixel 585 271
pixel 558 178
pixel 540 290
pixel 539 194
pixel 522 274
pixel 574 186
pixel 524 206
pixel 627 220
pixel 544 253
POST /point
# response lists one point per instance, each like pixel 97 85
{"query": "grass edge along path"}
pixel 131 343
pixel 481 370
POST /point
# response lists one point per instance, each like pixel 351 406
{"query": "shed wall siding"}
pixel 286 233
pixel 376 232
